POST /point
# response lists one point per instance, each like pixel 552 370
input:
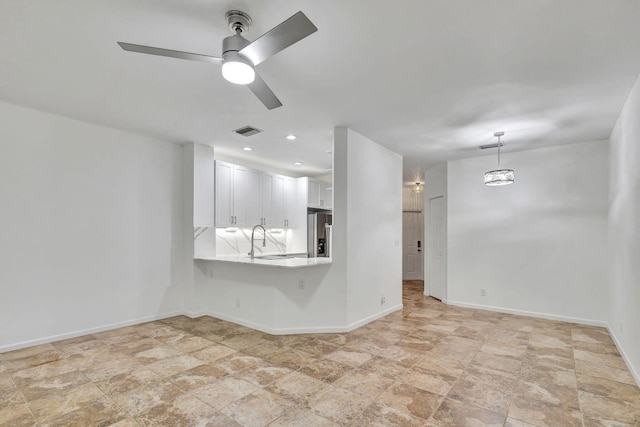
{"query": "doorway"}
pixel 412 246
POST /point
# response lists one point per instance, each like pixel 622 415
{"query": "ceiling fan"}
pixel 240 56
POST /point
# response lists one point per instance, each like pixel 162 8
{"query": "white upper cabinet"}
pixel 251 197
pixel 275 217
pixel 279 198
pixel 224 194
pixel 246 197
pixel 268 217
pixel 326 195
pixel 313 194
pixel 236 195
pixel 290 201
pixel 319 195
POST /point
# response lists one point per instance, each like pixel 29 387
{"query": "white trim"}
pixel 549 316
pixel 373 317
pixel 81 332
pixel 303 330
pixel 626 359
pixel 193 314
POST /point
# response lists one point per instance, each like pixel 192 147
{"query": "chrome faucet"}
pixel 264 238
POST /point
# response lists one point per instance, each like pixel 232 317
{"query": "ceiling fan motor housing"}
pixel 233 43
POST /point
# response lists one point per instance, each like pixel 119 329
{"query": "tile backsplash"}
pixel 238 241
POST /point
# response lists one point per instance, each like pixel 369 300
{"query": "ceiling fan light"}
pixel 238 72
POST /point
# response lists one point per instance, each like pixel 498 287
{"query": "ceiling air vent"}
pixel 247 131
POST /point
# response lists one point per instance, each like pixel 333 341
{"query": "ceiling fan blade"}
pixel 278 38
pixel 264 93
pixel 170 53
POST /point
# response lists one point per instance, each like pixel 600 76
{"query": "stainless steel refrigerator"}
pixel 318 234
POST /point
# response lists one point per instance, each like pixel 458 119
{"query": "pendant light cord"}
pixel 499 144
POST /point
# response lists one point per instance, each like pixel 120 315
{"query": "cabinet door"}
pixel 247 205
pixel 266 216
pixel 224 194
pixel 326 195
pixel 290 199
pixel 272 196
pixel 313 195
pixel 253 198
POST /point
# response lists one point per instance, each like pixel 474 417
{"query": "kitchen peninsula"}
pixel 358 282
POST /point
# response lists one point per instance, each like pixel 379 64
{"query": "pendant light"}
pixel 417 187
pixel 499 176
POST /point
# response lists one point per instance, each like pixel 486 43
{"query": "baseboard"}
pixel 81 332
pixel 529 313
pixel 626 358
pixel 232 319
pixel 193 314
pixel 303 330
pixel 373 317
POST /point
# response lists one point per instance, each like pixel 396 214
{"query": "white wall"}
pixel 366 259
pixel 374 231
pixel 538 246
pixel 624 232
pixel 90 222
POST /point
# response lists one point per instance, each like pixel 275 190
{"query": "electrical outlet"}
pixel 483 292
pixel 237 302
pixel 301 284
pixel 383 300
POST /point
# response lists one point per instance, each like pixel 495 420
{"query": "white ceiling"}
pixel 429 79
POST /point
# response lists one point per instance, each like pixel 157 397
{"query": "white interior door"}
pixel 412 239
pixel 436 248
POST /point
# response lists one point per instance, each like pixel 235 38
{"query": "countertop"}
pixel 282 263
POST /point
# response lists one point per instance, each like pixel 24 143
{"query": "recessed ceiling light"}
pixel 247 148
pixel 297 163
pixel 291 137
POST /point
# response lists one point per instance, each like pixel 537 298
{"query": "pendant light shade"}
pixel 417 187
pixel 499 176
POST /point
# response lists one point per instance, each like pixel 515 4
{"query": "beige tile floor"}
pixel 429 365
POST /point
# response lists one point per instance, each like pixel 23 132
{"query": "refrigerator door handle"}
pixel 327 234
